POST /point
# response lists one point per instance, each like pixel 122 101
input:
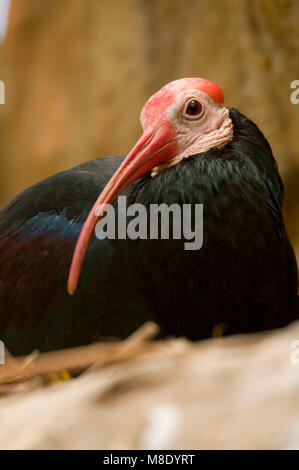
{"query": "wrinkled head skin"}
pixel 186 117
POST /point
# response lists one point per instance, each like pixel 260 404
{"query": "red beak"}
pixel 156 146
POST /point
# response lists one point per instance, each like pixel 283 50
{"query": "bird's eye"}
pixel 193 110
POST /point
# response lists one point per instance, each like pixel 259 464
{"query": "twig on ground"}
pixel 80 358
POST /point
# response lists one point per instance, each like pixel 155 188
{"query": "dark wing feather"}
pixel 68 191
pixel 38 232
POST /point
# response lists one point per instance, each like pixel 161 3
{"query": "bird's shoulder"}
pixel 38 232
pixel 70 192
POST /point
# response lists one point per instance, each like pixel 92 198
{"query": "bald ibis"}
pixel 194 149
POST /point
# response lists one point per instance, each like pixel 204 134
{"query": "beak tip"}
pixel 71 290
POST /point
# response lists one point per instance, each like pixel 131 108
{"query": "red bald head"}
pixel 165 97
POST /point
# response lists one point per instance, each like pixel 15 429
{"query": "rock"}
pixel 238 392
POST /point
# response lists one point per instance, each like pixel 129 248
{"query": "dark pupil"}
pixel 193 108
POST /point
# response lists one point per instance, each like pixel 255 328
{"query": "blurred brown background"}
pixel 77 73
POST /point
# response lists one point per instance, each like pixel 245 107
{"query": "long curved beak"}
pixel 156 146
